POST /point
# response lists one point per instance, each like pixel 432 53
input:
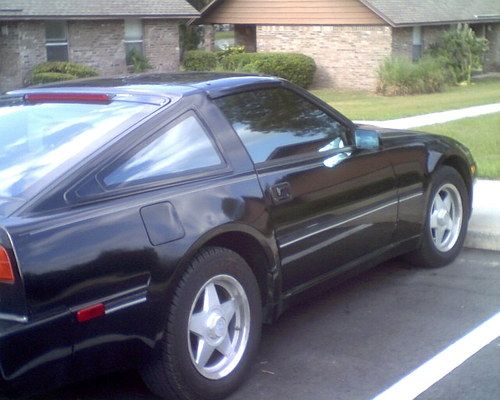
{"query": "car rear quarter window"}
pixel 182 147
pixel 277 123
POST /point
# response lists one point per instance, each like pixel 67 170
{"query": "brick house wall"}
pixel 492 58
pixel 10 72
pixel 22 45
pixel 402 39
pixel 402 42
pixel 161 44
pixel 431 34
pixel 347 57
pixel 31 46
pixel 98 44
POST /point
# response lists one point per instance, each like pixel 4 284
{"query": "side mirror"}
pixel 366 139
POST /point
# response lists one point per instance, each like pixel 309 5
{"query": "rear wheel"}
pixel 446 220
pixel 212 332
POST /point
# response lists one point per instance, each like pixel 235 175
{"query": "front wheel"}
pixel 446 221
pixel 212 332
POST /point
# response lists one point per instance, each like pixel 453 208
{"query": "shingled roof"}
pixel 424 12
pixel 84 9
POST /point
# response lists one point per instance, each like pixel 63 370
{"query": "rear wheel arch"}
pixel 211 331
pixel 259 253
pixel 253 252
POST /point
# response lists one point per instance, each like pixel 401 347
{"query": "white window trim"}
pixel 54 44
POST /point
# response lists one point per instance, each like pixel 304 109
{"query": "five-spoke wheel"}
pixel 446 217
pixel 218 327
pixel 446 220
pixel 212 331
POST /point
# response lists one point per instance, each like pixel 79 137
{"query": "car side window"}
pixel 181 148
pixel 276 123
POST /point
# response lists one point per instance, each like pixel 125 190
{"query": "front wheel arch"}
pixel 462 167
pixel 428 254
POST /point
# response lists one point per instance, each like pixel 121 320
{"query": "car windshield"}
pixel 36 139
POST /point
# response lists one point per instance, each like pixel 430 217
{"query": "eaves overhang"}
pixel 94 17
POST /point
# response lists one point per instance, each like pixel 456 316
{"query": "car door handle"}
pixel 281 192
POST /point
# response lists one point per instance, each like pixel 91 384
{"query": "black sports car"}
pixel 154 222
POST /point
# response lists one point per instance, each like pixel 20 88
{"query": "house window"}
pixel 133 38
pixel 416 51
pixel 56 40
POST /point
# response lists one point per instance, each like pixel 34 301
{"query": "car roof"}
pixel 163 84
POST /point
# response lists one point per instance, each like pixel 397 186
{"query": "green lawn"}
pixel 368 106
pixel 224 35
pixel 481 135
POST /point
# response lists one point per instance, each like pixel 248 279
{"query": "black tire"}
pixel 172 373
pixel 429 255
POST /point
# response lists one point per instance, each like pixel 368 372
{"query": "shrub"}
pixel 197 60
pixel 400 76
pixel 65 67
pixel 461 51
pixel 137 61
pixel 230 51
pixel 47 77
pixel 297 68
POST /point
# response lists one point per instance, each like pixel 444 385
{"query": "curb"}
pixel 482 240
pixel 484 226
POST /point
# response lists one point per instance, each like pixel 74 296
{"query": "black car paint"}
pixel 76 247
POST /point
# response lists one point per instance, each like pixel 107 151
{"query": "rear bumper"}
pixel 35 353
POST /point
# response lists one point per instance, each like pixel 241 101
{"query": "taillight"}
pixel 6 271
pixel 67 97
pixel 91 312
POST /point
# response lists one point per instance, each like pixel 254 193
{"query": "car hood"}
pixel 401 137
pixel 393 133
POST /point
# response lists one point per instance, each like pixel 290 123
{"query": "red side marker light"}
pixel 91 312
pixel 67 97
pixel 6 272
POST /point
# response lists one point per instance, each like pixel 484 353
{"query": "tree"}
pixel 191 35
pixel 199 4
pixel 461 51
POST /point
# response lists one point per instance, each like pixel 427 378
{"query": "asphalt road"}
pixel 356 340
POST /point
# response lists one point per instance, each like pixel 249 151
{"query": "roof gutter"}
pixel 488 16
pixel 452 22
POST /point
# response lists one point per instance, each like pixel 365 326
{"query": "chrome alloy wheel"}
pixel 446 217
pixel 218 327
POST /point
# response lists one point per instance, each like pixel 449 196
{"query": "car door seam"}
pixel 337 224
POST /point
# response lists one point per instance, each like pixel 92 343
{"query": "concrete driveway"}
pixel 356 340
